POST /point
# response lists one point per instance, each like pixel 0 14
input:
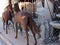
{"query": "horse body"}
pixel 26 20
pixel 6 16
pixel 22 19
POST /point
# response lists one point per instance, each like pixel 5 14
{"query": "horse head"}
pixel 9 8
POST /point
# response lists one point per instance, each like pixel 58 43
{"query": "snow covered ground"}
pixel 2 43
pixel 21 40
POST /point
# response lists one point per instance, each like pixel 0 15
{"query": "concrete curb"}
pixel 6 41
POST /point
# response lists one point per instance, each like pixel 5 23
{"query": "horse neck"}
pixel 16 7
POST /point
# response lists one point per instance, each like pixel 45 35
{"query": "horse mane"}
pixel 6 8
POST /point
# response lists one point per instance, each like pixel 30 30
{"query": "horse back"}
pixel 6 15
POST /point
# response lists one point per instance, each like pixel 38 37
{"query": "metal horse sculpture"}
pixel 6 16
pixel 25 19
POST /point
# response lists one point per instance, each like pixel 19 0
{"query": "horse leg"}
pixel 12 23
pixel 20 29
pixel 16 31
pixel 34 38
pixel 27 37
pixel 32 30
pixel 39 36
pixel 6 27
pixel 35 27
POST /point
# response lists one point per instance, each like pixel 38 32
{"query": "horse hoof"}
pixel 6 33
pixel 14 30
pixel 39 36
pixel 35 44
pixel 4 29
pixel 16 37
pixel 9 24
pixel 21 33
pixel 27 44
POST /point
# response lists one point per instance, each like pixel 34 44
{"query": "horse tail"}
pixel 33 26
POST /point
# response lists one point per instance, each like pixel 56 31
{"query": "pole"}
pixel 49 10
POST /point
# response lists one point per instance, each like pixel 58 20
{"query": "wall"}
pixel 3 4
pixel 47 10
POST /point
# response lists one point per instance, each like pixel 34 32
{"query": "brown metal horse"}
pixel 6 16
pixel 25 19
